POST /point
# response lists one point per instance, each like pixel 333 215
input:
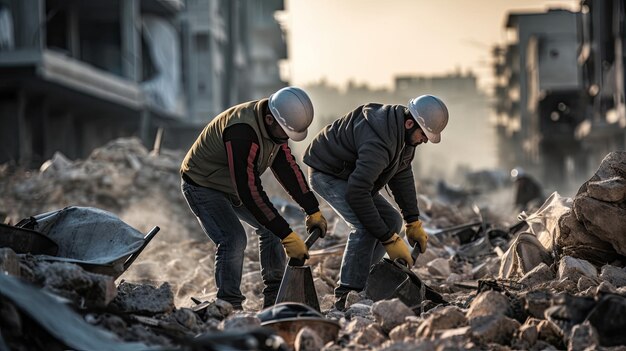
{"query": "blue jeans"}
pixel 220 216
pixel 362 249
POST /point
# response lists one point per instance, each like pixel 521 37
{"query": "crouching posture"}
pixel 221 183
pixel 352 159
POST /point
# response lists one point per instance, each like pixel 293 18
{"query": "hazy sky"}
pixel 370 41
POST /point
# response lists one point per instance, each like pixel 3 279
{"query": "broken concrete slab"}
pixel 144 298
pixel 538 275
pixel 73 282
pixel 574 268
pixel 489 303
pixel 495 328
pixel 390 313
pixel 443 318
pixel 614 275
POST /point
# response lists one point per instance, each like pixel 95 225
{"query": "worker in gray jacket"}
pixel 352 159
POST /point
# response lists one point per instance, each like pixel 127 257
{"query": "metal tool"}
pixel 394 279
pixel 297 284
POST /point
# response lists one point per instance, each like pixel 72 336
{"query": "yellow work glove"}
pixel 396 248
pixel 415 233
pixel 295 247
pixel 316 220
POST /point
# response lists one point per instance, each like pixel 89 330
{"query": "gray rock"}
pixel 403 331
pixel 390 313
pixel 448 317
pixel 458 335
pixel 439 267
pixel 218 309
pixel 9 262
pixel 582 337
pixel 540 274
pixel 359 310
pixel 549 333
pixel 536 302
pixel 605 287
pixel 527 335
pixel 71 281
pixel 371 336
pixel 240 321
pixel 352 298
pixel 489 303
pixel 585 283
pixel 357 324
pixel 144 299
pixel 573 268
pixel 308 340
pixel 187 318
pixel 614 275
pixel 495 328
pixel 612 189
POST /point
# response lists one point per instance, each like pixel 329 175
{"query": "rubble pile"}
pixel 122 177
pixel 505 287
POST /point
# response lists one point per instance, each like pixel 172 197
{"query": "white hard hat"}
pixel 431 114
pixel 293 110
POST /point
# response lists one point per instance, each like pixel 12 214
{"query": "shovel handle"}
pixel 415 252
pixel 310 240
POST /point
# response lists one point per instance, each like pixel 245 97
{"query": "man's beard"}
pixel 407 136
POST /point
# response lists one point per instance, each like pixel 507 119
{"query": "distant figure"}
pixel 527 190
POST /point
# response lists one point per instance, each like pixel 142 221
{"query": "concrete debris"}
pixel 538 275
pixel 391 313
pixel 598 207
pixel 523 272
pixel 614 275
pixel 144 299
pixel 573 268
pixel 489 303
pixel 445 318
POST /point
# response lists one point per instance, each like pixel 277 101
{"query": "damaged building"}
pixel 560 90
pixel 76 74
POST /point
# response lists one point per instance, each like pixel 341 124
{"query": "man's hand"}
pixel 295 247
pixel 316 220
pixel 415 233
pixel 396 248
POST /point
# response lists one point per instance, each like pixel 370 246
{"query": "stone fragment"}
pixel 448 317
pixel 371 336
pixel 573 268
pixel 403 331
pixel 538 275
pixel 536 302
pixel 614 275
pixel 352 298
pixel 359 309
pixel 583 336
pixel 218 309
pixel 71 281
pixel 356 324
pixel 495 328
pixel 439 267
pixel 240 321
pixel 390 313
pixel 585 283
pixel 144 298
pixel 489 303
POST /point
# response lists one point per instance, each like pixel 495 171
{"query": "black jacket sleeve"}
pixel 242 147
pixel 402 186
pixel 290 176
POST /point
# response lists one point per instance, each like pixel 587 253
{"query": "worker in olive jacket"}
pixel 352 159
pixel 221 183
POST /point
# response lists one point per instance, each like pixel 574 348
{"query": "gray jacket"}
pixel 366 147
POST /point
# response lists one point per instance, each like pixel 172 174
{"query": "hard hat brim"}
pixel 434 138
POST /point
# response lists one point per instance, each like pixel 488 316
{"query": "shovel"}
pixel 297 284
pixel 394 279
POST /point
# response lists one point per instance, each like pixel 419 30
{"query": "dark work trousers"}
pixel 362 249
pixel 220 220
